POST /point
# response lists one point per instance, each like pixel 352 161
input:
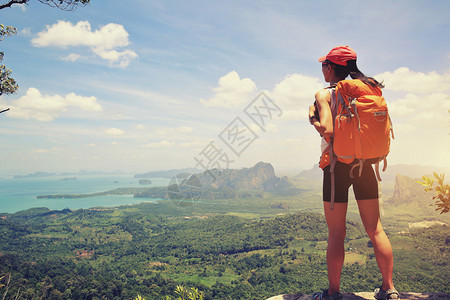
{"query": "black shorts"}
pixel 364 187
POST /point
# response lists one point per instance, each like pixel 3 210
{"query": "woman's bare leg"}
pixel 335 250
pixel 370 216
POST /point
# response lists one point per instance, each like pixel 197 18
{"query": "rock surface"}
pixel 369 295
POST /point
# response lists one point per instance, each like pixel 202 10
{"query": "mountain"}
pixel 260 177
pixel 314 173
pixel 407 190
pixel 222 184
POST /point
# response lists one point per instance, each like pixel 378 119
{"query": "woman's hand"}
pixel 313 114
pixel 323 124
pixel 312 110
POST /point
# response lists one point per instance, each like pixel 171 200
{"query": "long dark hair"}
pixel 352 70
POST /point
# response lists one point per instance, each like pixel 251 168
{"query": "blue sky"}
pixel 153 85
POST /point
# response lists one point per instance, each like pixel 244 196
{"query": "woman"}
pixel 337 65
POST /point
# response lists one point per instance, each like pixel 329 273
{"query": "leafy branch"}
pixel 442 195
pixel 6 285
pixel 6 31
pixel 183 294
pixel 8 84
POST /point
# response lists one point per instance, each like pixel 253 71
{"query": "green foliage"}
pixel 7 84
pixel 183 294
pixel 423 258
pixel 6 286
pixel 1 284
pixel 6 31
pixel 123 252
pixel 186 294
pixel 442 195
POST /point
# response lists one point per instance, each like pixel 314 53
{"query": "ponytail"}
pixel 355 73
pixel 351 69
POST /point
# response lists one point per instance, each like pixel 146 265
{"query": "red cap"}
pixel 340 55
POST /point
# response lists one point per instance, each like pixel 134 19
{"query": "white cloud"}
pixel 140 127
pixel 40 151
pixel 23 7
pixel 161 144
pixel 71 57
pixel 232 91
pixel 40 107
pixel 405 80
pixel 113 131
pixel 425 97
pixel 52 150
pixel 184 129
pixel 195 143
pixel 294 94
pixel 423 110
pixel 102 42
pixel 26 31
pixel 418 104
pixel 271 127
pixel 123 58
pixel 181 129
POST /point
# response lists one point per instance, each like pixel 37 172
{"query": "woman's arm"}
pixel 325 125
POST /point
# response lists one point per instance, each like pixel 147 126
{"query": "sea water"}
pixel 21 193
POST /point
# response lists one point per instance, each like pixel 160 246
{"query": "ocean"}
pixel 18 194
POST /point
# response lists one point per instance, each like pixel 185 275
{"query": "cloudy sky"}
pixel 153 85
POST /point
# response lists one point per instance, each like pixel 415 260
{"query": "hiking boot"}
pixel 324 296
pixel 381 294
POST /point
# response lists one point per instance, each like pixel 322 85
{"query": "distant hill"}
pixel 37 212
pixel 260 177
pixel 167 173
pixel 389 175
pixel 34 175
pixel 414 171
pixel 407 190
pixel 314 173
pixel 81 173
pixel 223 184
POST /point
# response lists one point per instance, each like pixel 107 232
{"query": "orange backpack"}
pixel 362 126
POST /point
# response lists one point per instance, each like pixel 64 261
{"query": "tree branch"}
pixel 67 5
pixel 61 4
pixel 11 2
